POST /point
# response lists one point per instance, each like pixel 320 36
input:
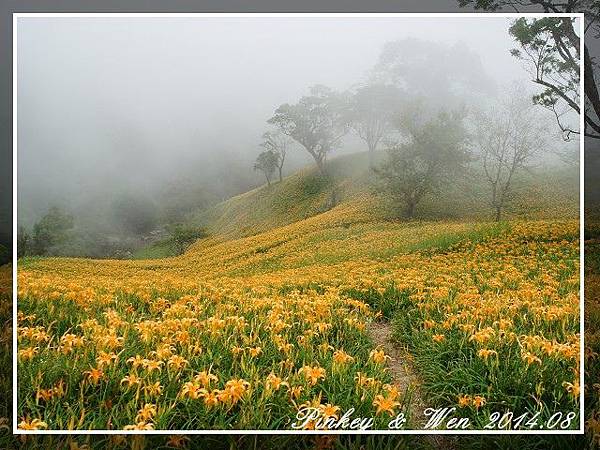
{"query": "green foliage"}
pixel 183 236
pixel 549 47
pixel 486 5
pixel 372 108
pixel 312 184
pixel 51 230
pixel 317 122
pixel 267 162
pixel 161 249
pixel 23 242
pixel 277 143
pixel 539 37
pixel 452 366
pixel 444 242
pixel 539 193
pixel 436 151
pixel 301 195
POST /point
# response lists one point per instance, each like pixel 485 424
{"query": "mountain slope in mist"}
pixel 351 191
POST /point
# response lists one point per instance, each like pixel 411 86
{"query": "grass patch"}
pixel 161 249
pixel 444 242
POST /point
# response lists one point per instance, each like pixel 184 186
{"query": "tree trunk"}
pixel 280 175
pixel 371 155
pixel 268 180
pixel 591 90
pixel 495 204
pixel 498 213
pixel 321 166
pixel 410 209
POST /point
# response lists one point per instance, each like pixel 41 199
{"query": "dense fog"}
pixel 162 109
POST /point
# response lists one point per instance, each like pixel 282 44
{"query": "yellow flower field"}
pixel 242 333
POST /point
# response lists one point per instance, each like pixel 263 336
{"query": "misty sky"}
pixel 106 102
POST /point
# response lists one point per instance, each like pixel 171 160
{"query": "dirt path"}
pixel 402 370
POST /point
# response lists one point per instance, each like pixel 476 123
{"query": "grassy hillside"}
pixel 293 305
pixel 160 249
pixel 303 194
pixel 275 309
pixel 542 193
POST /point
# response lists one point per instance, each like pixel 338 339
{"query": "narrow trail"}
pixel 403 373
pixel 401 368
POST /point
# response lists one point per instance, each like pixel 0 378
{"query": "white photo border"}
pixel 579 431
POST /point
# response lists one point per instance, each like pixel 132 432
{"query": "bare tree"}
pixel 508 137
pixel 278 143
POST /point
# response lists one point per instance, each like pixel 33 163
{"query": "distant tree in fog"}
pixel 508 137
pixel 267 162
pixel 136 214
pixel 23 242
pixel 371 112
pixel 183 236
pixel 435 148
pixel 50 230
pixel 317 122
pixel 278 143
pixel 445 76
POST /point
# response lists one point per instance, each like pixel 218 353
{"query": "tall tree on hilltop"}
pixel 317 122
pixel 371 113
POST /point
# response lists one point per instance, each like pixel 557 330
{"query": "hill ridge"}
pixel 306 193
